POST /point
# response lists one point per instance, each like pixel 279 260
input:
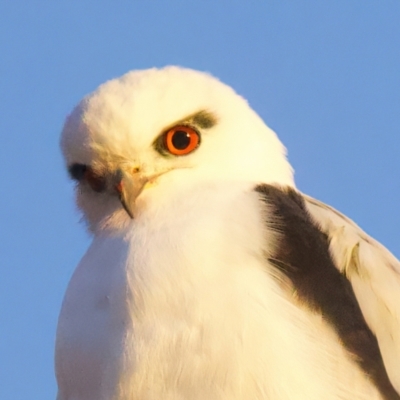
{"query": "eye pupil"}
pixel 96 182
pixel 82 172
pixel 181 140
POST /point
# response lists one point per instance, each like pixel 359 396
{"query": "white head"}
pixel 121 139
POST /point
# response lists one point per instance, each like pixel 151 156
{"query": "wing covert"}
pixel 374 274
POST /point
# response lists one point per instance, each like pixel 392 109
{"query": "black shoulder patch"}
pixel 303 256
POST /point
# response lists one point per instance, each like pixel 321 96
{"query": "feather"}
pixel 374 274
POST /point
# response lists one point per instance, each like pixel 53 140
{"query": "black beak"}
pixel 128 189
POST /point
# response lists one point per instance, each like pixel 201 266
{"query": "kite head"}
pixel 138 138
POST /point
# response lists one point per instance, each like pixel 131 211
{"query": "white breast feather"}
pixel 189 309
pixel 181 303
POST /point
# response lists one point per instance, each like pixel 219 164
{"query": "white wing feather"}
pixel 374 274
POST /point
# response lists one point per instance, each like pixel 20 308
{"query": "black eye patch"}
pixel 77 171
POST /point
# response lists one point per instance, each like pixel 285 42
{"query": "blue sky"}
pixel 325 75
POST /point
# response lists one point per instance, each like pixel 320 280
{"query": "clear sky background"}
pixel 325 75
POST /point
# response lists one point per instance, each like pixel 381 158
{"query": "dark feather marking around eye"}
pixel 77 171
pixel 204 119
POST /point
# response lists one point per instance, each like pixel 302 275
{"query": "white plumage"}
pixel 185 300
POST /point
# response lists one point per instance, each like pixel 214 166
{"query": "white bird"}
pixel 210 276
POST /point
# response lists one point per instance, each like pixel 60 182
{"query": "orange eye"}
pixel 95 181
pixel 181 140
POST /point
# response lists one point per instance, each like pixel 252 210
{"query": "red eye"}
pixel 95 181
pixel 181 140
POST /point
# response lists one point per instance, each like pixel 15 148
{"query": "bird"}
pixel 210 276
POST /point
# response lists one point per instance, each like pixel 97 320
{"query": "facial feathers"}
pixel 120 124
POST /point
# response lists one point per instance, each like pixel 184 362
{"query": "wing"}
pixel 374 274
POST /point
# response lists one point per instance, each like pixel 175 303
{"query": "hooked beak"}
pixel 128 188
